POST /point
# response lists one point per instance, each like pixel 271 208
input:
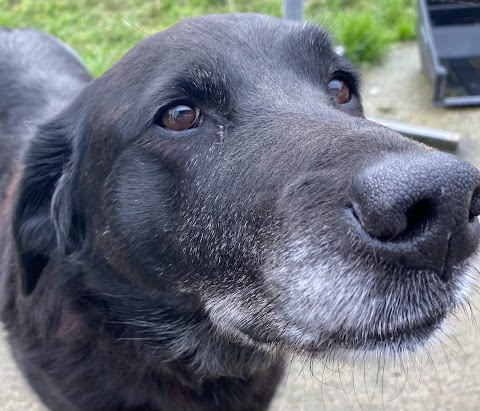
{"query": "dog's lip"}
pixel 401 339
pixel 424 328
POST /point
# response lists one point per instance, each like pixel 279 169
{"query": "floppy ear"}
pixel 47 171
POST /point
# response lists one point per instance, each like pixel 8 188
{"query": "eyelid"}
pixel 346 77
pixel 351 78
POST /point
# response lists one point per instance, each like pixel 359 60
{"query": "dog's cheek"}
pixel 140 217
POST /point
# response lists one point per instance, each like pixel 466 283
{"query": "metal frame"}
pixel 448 35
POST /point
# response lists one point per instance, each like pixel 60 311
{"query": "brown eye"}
pixel 340 90
pixel 180 118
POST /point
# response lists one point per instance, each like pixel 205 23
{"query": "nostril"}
pixel 474 205
pixel 419 215
pixel 394 225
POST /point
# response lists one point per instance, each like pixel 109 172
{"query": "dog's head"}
pixel 228 158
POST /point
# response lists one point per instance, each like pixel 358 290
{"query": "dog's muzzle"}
pixel 418 210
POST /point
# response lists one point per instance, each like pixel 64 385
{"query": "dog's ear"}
pixel 43 210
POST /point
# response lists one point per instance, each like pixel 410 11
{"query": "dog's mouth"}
pixel 397 340
pixel 389 338
pixel 327 309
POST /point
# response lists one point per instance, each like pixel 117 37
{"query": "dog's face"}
pixel 228 158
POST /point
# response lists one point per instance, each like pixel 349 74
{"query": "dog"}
pixel 214 202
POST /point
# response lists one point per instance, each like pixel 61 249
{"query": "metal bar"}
pixel 461 101
pixel 441 139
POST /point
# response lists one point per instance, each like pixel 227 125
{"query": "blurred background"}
pixel 102 31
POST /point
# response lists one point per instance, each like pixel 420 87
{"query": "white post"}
pixel 293 9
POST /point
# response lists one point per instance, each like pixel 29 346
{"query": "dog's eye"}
pixel 180 118
pixel 340 90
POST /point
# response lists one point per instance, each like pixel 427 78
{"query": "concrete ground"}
pixel 445 379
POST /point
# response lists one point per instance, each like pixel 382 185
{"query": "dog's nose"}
pixel 419 210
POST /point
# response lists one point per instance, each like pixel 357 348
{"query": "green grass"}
pixel 102 31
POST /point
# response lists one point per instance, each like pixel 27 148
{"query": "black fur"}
pixel 147 269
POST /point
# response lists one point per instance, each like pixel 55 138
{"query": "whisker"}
pixel 133 25
pixel 118 36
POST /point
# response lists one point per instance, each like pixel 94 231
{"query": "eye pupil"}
pixel 340 91
pixel 180 118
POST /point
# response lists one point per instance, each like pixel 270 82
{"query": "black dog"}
pixel 213 202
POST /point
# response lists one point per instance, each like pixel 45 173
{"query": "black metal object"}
pixel 448 34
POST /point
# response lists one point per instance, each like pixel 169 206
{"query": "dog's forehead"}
pixel 236 41
pixel 237 32
pixel 240 30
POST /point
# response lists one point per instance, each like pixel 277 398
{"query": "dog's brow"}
pixel 205 85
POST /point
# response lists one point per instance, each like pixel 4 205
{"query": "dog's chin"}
pixel 406 321
pixel 344 314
